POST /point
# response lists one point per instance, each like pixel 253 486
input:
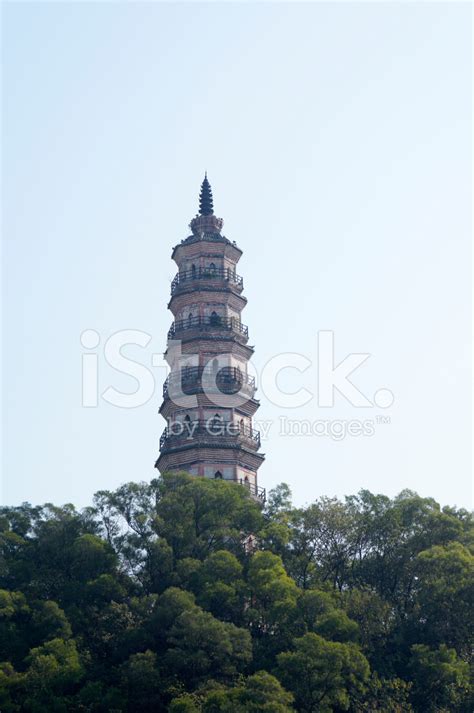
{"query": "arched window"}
pixel 242 425
pixel 216 425
pixel 187 418
pixel 190 319
pixel 215 319
pixel 193 271
pixel 212 269
pixel 218 475
pixel 247 481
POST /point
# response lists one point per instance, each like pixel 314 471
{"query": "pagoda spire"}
pixel 206 206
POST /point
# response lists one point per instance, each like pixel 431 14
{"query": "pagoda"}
pixel 209 395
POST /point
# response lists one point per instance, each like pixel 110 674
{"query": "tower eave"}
pixel 233 296
pixel 248 408
pixel 186 456
pixel 195 244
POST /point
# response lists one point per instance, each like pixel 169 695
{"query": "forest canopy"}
pixel 184 595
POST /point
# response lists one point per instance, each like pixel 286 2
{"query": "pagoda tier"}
pixel 209 396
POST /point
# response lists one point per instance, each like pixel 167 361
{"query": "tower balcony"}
pixel 212 324
pixel 196 279
pixel 212 432
pixel 197 379
pixel 255 491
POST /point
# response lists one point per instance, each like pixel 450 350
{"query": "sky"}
pixel 337 139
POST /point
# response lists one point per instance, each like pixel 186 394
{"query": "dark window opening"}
pixel 215 318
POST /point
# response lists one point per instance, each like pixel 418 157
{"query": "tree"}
pixel 440 679
pixel 444 597
pixel 185 703
pixel 154 600
pixel 377 625
pixel 53 672
pixel 201 646
pixel 273 592
pixel 170 605
pixel 141 682
pixel 197 516
pixel 322 674
pixel 220 587
pixel 99 697
pixel 320 612
pixel 322 544
pixel 279 500
pixel 389 534
pixel 383 695
pixel 48 621
pixel 258 693
pixel 15 615
pixel 10 688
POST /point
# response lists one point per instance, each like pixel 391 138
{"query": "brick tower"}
pixel 209 396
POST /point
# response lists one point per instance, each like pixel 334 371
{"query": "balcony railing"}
pixel 193 379
pixel 255 490
pixel 214 429
pixel 213 323
pixel 187 277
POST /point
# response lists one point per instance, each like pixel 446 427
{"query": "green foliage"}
pixel 182 595
pixel 53 671
pixel 441 679
pixel 384 696
pixel 273 592
pixel 279 500
pixel 445 595
pixel 220 586
pixel 186 703
pixel 197 516
pixel 201 646
pixel 260 692
pixel 323 674
pixel 141 681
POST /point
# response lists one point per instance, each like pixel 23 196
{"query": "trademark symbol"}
pixel 383 420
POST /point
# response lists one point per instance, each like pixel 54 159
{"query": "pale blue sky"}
pixel 338 143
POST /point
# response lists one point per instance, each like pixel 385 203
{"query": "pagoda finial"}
pixel 206 206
